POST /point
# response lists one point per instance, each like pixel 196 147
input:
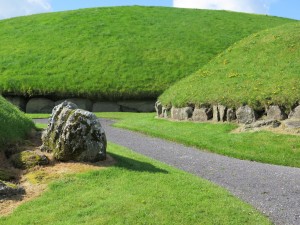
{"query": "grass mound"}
pixel 13 123
pixel 261 70
pixel 115 53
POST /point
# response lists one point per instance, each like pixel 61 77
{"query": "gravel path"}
pixel 274 190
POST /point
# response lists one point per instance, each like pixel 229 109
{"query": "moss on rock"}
pixel 28 159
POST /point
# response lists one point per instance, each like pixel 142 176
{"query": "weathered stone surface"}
pixel 158 109
pixel 276 113
pixel 106 107
pixel 202 114
pixel 81 103
pixel 216 116
pixel 18 101
pixel 137 106
pixel 28 159
pixel 166 112
pixel 230 115
pixel 39 105
pixel 295 113
pixel 181 113
pixel 262 123
pixel 292 124
pixel 74 134
pixel 222 112
pixel 9 189
pixel 245 115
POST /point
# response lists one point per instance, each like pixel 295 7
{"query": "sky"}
pixel 282 8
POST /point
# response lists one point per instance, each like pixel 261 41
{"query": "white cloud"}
pixel 249 6
pixel 12 8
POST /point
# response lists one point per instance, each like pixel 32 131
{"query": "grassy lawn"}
pixel 261 70
pixel 116 52
pixel 136 190
pixel 13 124
pixel 263 147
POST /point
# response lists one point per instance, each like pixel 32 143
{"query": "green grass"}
pixel 261 70
pixel 136 190
pixel 115 53
pixel 14 126
pixel 261 146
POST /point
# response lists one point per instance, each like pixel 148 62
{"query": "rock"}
pixel 106 107
pixel 39 105
pixel 222 112
pixel 295 113
pixel 272 122
pixel 245 115
pixel 216 116
pixel 6 175
pixel 158 108
pixel 8 189
pixel 181 113
pixel 230 115
pixel 202 114
pixel 18 101
pixel 276 113
pixel 166 112
pixel 292 124
pixel 74 134
pixel 28 159
pixel 137 106
pixel 81 103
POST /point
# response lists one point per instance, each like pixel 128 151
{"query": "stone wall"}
pixel 45 105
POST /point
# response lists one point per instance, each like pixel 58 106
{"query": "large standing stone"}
pixel 222 112
pixel 295 113
pixel 166 112
pixel 137 106
pixel 202 114
pixel 230 115
pixel 39 105
pixel 106 107
pixel 245 115
pixel 18 101
pixel 216 116
pixel 276 113
pixel 82 103
pixel 181 113
pixel 74 134
pixel 158 109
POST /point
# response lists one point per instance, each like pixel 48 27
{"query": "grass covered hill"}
pixel 13 124
pixel 115 53
pixel 261 70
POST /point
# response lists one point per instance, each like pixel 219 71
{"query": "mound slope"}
pixel 115 53
pixel 261 70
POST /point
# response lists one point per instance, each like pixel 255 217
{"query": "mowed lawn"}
pixel 136 190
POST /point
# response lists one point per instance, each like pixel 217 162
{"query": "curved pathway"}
pixel 274 190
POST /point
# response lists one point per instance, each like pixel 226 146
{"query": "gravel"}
pixel 273 190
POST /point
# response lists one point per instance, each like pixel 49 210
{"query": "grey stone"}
pixel 262 123
pixel 295 113
pixel 181 113
pixel 230 115
pixel 216 116
pixel 137 106
pixel 9 190
pixel 74 134
pixel 245 115
pixel 222 112
pixel 202 114
pixel 158 109
pixel 276 113
pixel 292 124
pixel 39 105
pixel 166 113
pixel 106 107
pixel 18 101
pixel 82 103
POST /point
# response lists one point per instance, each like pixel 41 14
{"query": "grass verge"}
pixel 136 190
pixel 263 146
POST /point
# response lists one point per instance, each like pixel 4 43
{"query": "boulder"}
pixel 18 101
pixel 222 112
pixel 276 113
pixel 74 134
pixel 295 113
pixel 202 114
pixel 39 105
pixel 292 124
pixel 9 189
pixel 230 115
pixel 106 107
pixel 158 108
pixel 166 112
pixel 181 113
pixel 81 103
pixel 28 159
pixel 263 123
pixel 216 116
pixel 137 106
pixel 245 115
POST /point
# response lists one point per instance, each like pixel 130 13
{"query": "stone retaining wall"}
pixel 45 105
